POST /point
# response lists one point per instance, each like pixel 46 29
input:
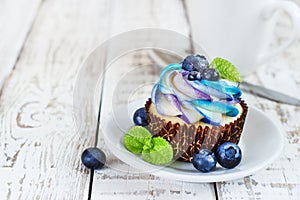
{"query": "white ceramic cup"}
pixel 241 30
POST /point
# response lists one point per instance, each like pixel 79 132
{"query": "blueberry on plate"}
pixel 140 117
pixel 229 155
pixel 195 63
pixel 93 158
pixel 204 160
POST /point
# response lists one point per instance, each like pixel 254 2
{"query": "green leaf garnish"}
pixel 160 153
pixel 226 69
pixel 136 138
pixel 155 150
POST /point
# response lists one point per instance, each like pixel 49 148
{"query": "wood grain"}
pixel 117 180
pixel 40 145
pixel 16 18
pixel 281 179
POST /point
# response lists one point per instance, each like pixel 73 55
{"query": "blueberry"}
pixel 204 160
pixel 203 63
pixel 140 117
pixel 191 77
pixel 194 75
pixel 198 76
pixel 229 155
pixel 93 158
pixel 188 63
pixel 211 74
pixel 200 56
pixel 195 63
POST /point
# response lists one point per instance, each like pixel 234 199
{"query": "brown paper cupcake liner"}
pixel 188 139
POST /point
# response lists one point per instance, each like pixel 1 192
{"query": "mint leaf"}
pixel 136 138
pixel 226 69
pixel 160 153
pixel 155 150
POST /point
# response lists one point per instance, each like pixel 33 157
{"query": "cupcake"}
pixel 196 105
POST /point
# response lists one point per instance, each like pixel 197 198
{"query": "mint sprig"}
pixel 160 153
pixel 136 138
pixel 226 69
pixel 155 150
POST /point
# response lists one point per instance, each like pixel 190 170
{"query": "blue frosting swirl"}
pixel 175 95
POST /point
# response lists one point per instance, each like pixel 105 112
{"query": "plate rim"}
pixel 163 172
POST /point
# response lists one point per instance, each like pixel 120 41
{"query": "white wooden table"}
pixel 42 46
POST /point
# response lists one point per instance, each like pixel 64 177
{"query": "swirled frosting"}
pixel 204 100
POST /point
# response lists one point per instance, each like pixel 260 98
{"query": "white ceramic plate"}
pixel 261 143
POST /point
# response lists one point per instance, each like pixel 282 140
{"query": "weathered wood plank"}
pixel 40 146
pixel 39 161
pixel 281 179
pixel 16 18
pixel 116 181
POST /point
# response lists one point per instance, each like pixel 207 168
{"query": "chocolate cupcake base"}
pixel 188 139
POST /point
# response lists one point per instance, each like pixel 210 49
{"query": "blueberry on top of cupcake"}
pixel 196 90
